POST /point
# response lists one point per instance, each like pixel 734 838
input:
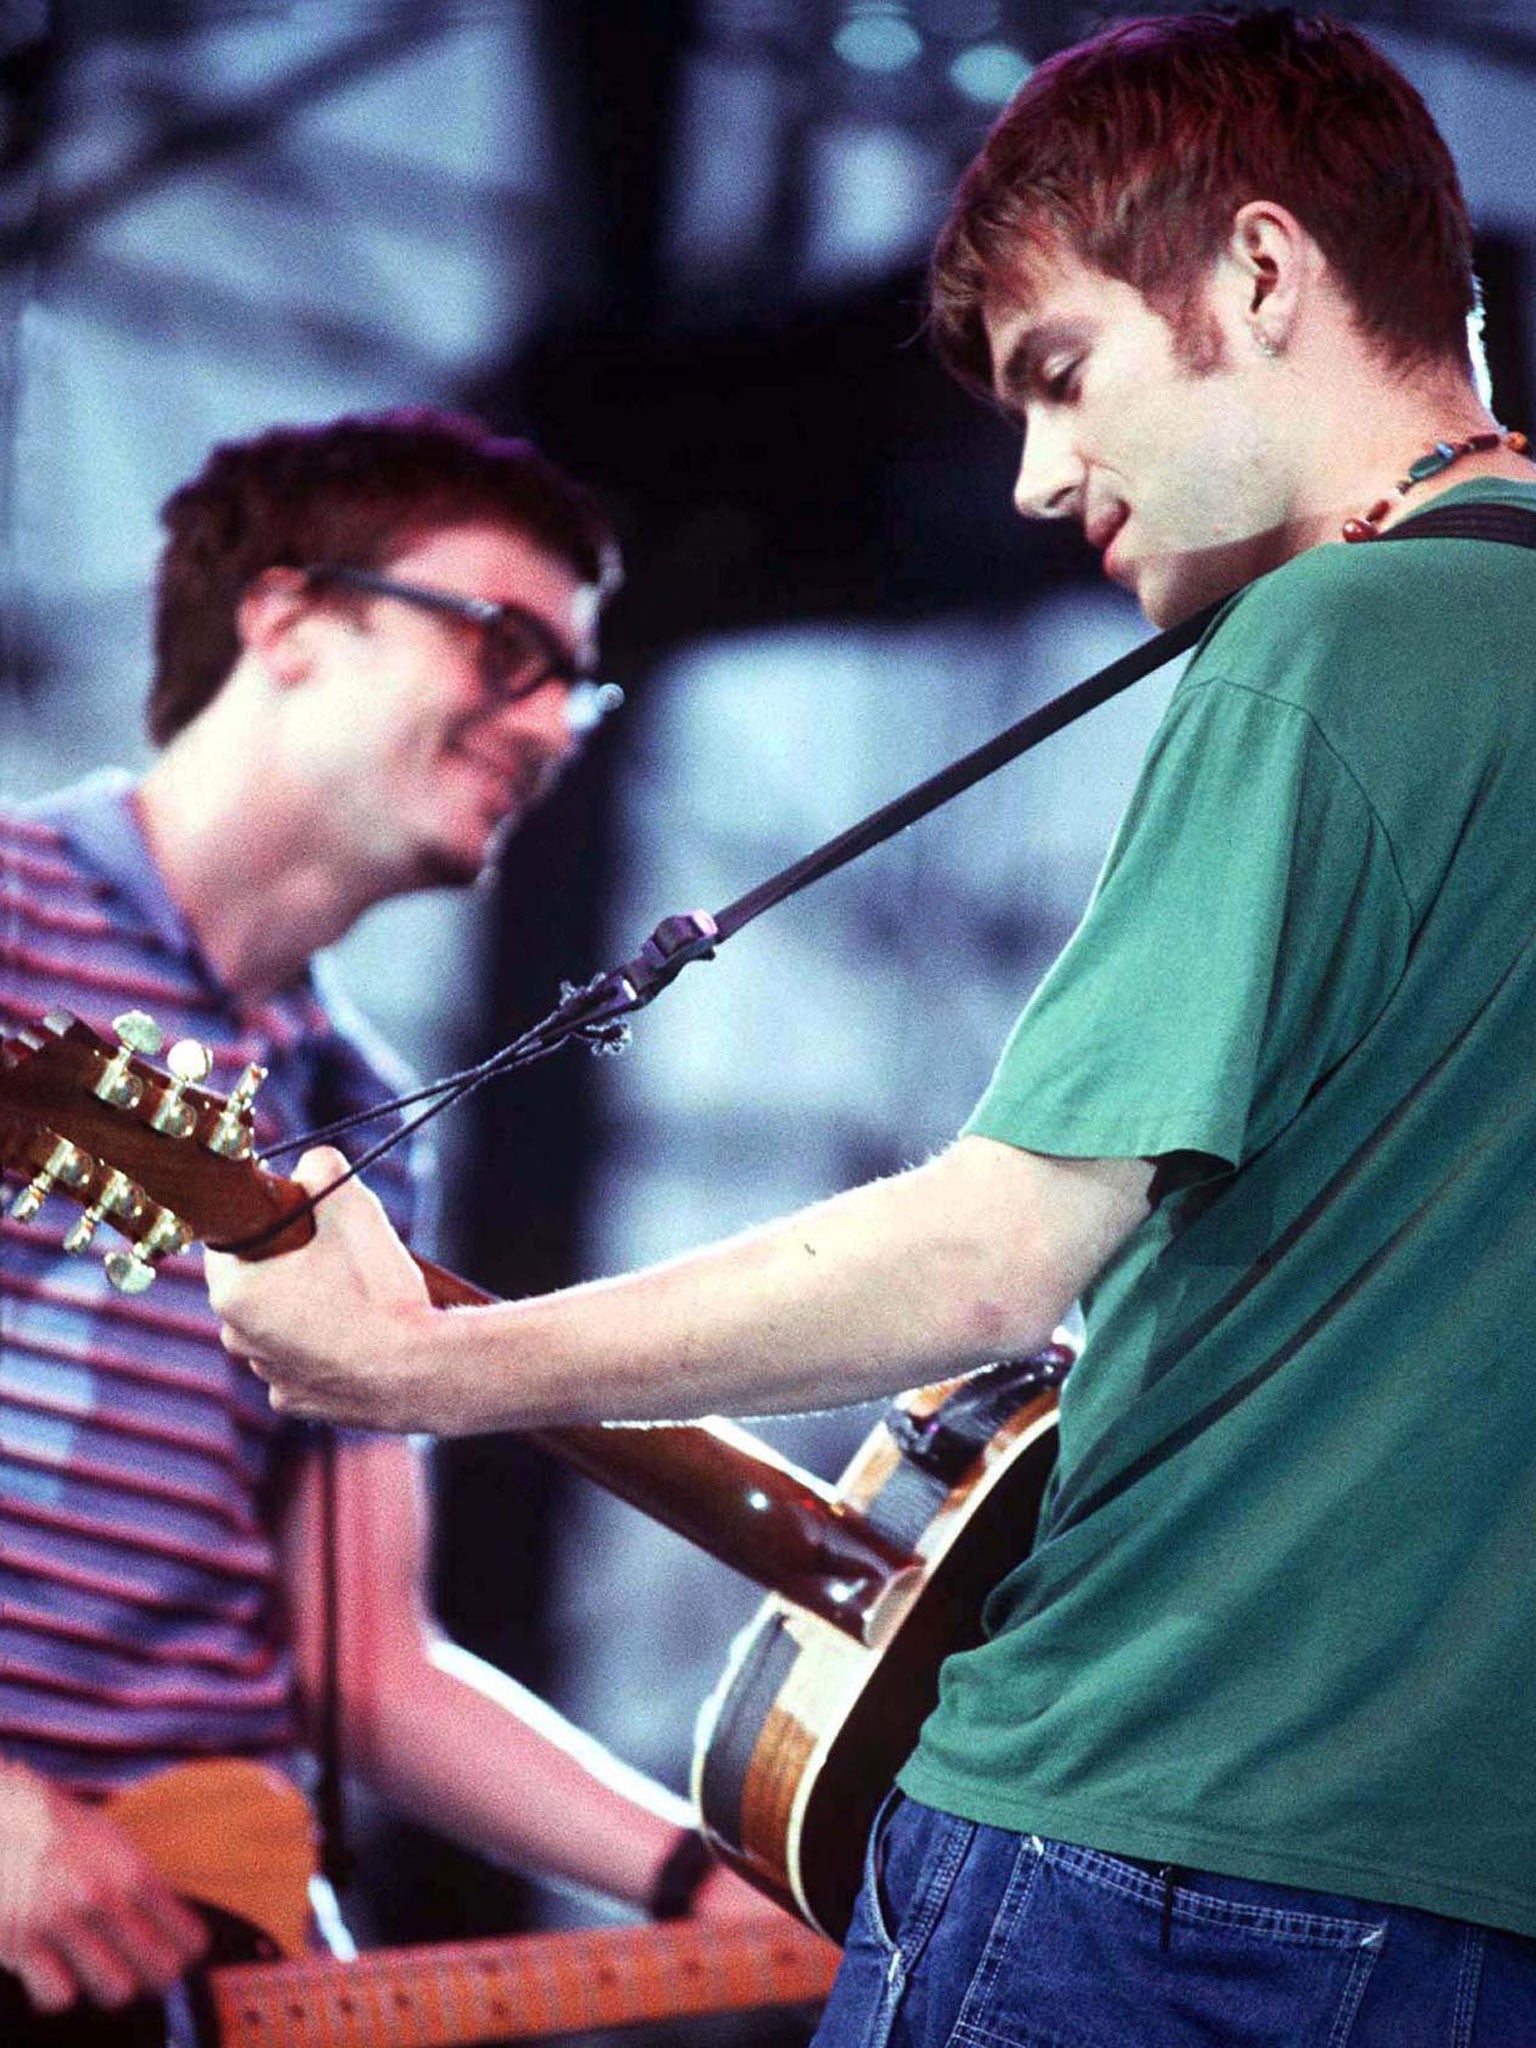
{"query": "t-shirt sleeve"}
pixel 1247 928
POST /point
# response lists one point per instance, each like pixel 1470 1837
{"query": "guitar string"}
pixel 452 1089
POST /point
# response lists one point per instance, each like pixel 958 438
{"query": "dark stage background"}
pixel 680 243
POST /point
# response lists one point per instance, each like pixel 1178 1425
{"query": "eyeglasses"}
pixel 518 652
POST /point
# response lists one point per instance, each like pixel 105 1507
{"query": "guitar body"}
pixel 232 1835
pixel 807 1728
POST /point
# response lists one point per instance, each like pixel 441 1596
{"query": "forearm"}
pixel 440 1732
pixel 464 1749
pixel 974 1256
pixel 909 1279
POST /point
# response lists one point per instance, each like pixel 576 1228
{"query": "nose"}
pixel 544 716
pixel 1051 472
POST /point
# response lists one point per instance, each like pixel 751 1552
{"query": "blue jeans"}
pixel 972 1935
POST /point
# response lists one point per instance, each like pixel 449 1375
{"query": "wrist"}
pixel 679 1876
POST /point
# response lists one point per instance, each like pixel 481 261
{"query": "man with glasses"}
pixel 373 645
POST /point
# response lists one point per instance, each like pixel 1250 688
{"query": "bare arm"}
pixel 445 1736
pixel 974 1256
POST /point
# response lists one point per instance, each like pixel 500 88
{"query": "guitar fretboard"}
pixel 517 1988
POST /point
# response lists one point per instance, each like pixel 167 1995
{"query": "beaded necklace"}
pixel 1440 457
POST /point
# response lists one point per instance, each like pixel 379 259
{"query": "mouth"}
pixel 1103 530
pixel 512 785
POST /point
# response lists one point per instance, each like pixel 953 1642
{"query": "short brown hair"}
pixel 1134 150
pixel 357 490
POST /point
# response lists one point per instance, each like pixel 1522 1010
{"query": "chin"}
pixel 1168 600
pixel 454 864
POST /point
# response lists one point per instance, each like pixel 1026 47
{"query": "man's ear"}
pixel 1271 260
pixel 272 617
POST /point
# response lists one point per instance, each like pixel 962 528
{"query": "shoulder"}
pixel 1329 600
pixel 30 844
pixel 46 881
pixel 1340 630
pixel 1421 593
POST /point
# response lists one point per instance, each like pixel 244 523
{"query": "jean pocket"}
pixel 911 1862
pixel 1103 1951
pixel 872 1907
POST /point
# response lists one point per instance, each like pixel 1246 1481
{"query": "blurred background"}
pixel 680 243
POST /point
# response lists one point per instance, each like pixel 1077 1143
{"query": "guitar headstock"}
pixel 152 1153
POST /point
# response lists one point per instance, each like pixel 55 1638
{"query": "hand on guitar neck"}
pixel 84 1915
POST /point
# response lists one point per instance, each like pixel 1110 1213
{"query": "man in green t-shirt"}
pixel 1248 1752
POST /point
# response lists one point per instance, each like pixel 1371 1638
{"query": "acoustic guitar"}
pixel 235 1838
pixel 871 1583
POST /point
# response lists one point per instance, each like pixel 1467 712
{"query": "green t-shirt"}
pixel 1280 1618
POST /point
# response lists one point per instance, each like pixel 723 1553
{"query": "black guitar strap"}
pixel 694 935
pixel 1514 525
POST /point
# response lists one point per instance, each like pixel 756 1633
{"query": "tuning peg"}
pixel 65 1163
pixel 128 1273
pixel 137 1033
pixel 231 1135
pixel 190 1063
pixel 119 1197
pixel 78 1237
pixel 132 1271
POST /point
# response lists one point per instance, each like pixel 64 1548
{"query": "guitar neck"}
pixel 519 1988
pixel 731 1495
pixel 166 1162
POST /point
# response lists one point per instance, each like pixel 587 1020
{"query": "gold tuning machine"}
pixel 132 1271
pixel 190 1064
pixel 137 1032
pixel 66 1163
pixel 231 1136
pixel 120 1198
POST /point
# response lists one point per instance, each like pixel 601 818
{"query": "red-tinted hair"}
pixel 357 490
pixel 1134 150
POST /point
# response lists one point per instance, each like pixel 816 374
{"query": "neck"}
pixel 1359 477
pixel 1426 477
pixel 240 850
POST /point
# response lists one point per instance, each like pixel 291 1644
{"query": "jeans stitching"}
pixel 1366 1958
pixel 874 1870
pixel 997 1949
pixel 1469 1980
pixel 957 1840
pixel 904 1947
pixel 1277 1922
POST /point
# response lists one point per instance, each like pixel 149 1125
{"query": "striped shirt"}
pixel 140 1466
